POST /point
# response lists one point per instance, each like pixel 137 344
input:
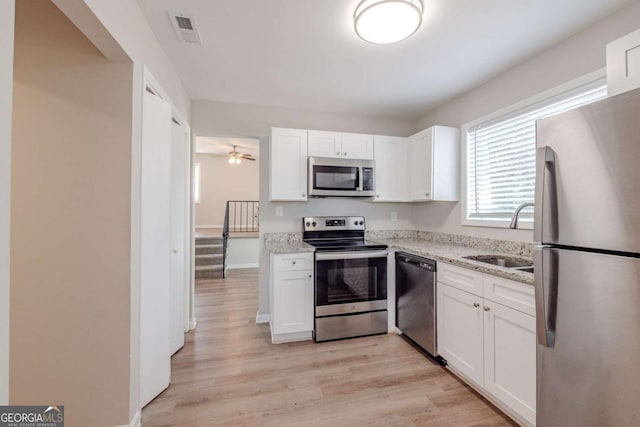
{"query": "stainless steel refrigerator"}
pixel 587 265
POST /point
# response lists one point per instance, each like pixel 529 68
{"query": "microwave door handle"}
pixel 360 179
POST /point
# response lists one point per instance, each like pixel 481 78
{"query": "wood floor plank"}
pixel 229 374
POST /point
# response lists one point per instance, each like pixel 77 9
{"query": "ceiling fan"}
pixel 235 157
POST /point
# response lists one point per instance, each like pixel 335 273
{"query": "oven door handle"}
pixel 332 256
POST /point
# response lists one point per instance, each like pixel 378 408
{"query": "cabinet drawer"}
pixel 293 262
pixel 461 278
pixel 516 295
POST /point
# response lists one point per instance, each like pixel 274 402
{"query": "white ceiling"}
pixel 305 54
pixel 222 146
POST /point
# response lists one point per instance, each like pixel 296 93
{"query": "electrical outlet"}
pixel 279 211
pixel 394 216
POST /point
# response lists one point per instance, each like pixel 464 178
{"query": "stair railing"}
pixel 240 216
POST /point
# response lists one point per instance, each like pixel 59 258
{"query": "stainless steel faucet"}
pixel 514 220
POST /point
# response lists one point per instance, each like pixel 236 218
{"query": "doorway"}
pixel 227 185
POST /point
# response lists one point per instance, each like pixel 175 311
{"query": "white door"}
pixel 357 146
pixel 420 166
pixel 510 358
pixel 155 224
pixel 288 175
pixel 325 144
pixel 460 328
pixel 390 179
pixel 179 177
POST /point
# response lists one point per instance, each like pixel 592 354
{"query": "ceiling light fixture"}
pixel 387 21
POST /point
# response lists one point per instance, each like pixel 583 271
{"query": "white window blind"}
pixel 501 155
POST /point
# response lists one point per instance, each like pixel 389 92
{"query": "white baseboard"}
pixel 208 226
pixel 262 318
pixel 193 324
pixel 136 421
pixel 241 266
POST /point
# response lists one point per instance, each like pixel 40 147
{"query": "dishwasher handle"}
pixel 430 266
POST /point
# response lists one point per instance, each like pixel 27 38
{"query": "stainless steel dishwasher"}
pixel 416 301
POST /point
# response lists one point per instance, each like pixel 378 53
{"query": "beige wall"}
pixel 578 55
pixel 6 87
pixel 221 181
pixel 70 266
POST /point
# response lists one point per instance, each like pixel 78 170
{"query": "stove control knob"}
pixel 361 222
pixel 313 223
pixel 355 222
pixel 307 224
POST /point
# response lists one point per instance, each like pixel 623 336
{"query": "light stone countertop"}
pixel 454 253
pixel 291 247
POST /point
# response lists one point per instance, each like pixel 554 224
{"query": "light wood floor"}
pixel 229 374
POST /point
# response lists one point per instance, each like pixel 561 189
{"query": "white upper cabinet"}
pixel 325 144
pixel 288 164
pixel 390 154
pixel 623 64
pixel 340 145
pixel 357 146
pixel 434 164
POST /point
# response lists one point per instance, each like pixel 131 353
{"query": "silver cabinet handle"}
pixel 303 194
pixel 426 194
pixel 345 153
pixel 476 305
pixel 294 263
pixel 487 308
pixel 378 196
pixel 310 276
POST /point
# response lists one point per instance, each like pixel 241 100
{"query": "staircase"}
pixel 209 258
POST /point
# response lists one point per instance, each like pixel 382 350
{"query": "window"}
pixel 196 183
pixel 501 157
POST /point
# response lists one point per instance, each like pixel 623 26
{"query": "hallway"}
pixel 229 374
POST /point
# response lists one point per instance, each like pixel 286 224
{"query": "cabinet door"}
pixel 420 166
pixel 623 64
pixel 357 146
pixel 325 144
pixel 390 177
pixel 510 358
pixel 288 173
pixel 460 331
pixel 292 309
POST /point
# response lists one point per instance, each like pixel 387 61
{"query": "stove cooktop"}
pixel 345 245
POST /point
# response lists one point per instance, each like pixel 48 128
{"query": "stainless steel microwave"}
pixel 340 177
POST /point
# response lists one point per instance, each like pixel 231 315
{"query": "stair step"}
pixel 209 259
pixel 208 249
pixel 208 240
pixel 208 271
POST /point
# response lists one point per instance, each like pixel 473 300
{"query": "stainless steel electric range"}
pixel 351 278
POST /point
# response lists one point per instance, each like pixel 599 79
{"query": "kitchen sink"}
pixel 522 264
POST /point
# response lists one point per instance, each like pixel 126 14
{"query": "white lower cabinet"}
pixel 460 331
pixel 491 344
pixel 291 297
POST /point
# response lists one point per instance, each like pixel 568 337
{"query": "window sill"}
pixel 497 223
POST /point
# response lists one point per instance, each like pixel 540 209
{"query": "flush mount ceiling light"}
pixel 387 21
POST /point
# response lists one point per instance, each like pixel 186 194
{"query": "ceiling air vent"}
pixel 185 27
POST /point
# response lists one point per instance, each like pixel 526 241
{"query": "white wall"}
pixel 221 181
pixel 574 57
pixel 242 252
pixel 7 13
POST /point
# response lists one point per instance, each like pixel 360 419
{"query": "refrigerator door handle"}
pixel 545 278
pixel 545 157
